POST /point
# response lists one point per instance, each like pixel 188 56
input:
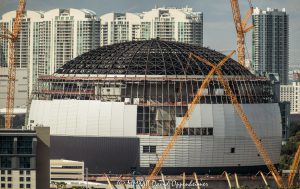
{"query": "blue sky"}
pixel 219 31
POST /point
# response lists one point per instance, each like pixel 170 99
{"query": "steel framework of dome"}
pixel 150 57
pixel 151 72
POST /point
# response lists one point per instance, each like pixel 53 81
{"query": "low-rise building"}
pixel 24 158
pixel 66 170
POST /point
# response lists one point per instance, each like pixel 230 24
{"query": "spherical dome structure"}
pixel 150 57
pixel 126 100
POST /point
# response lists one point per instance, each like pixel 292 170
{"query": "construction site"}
pixel 160 114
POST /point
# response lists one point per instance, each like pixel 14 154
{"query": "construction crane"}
pixel 241 28
pixel 12 37
pixel 178 130
pixel 294 168
pixel 238 108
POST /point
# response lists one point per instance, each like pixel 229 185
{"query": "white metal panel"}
pixel 195 118
pixel 179 119
pixel 218 120
pixel 117 120
pixel 130 118
pixel 82 121
pixel 206 115
pixel 61 117
pixel 105 119
pixel 93 118
pixel 230 122
pixel 39 112
pixel 71 125
pixel 47 114
pixel 54 115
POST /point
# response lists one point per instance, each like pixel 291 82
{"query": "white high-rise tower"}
pixel 170 24
pixel 271 42
pixel 49 39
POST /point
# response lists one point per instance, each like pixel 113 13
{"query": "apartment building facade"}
pixel 270 42
pixel 170 24
pixel 49 39
pixel 291 93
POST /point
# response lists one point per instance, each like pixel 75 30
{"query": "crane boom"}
pixel 294 167
pixel 240 26
pixel 12 38
pixel 178 130
pixel 238 108
pixel 262 151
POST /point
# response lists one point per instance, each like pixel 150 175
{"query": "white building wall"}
pixel 85 118
pixel 229 132
pixel 291 93
pixel 20 87
pixel 18 179
pixel 115 119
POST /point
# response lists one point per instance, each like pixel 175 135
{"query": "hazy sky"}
pixel 219 31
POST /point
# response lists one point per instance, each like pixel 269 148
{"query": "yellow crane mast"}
pixel 263 152
pixel 178 130
pixel 241 28
pixel 294 168
pixel 238 108
pixel 12 37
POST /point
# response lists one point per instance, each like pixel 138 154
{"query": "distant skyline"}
pixel 219 30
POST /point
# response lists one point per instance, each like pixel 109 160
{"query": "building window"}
pixel 24 145
pixel 21 179
pixel 24 162
pixel 198 131
pixel 149 149
pixel 6 144
pixel 5 162
pixel 27 179
pixel 210 131
pixel 2 178
pixel 2 185
pixel 204 131
pixel 9 179
pixel 8 185
pixel 21 172
pixel 27 185
pixel 185 131
pixel 232 150
pixel 21 185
